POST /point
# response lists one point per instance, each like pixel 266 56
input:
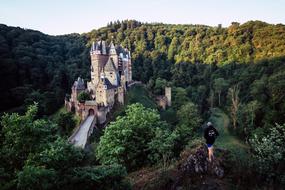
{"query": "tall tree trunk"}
pixel 234 92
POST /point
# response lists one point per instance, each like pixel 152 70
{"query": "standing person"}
pixel 210 134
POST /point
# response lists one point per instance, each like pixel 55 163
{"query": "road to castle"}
pixel 81 136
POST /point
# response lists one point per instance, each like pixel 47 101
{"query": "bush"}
pixel 38 178
pixel 269 153
pixel 129 140
pixel 66 122
pixel 83 96
pixel 99 177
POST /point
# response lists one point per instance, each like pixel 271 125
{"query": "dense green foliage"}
pixel 129 140
pixel 155 47
pixel 33 156
pixel 39 67
pixel 269 153
pixel 65 121
pixel 35 66
pixel 203 63
pixel 139 94
pixel 240 69
pixel 83 96
pixel 189 122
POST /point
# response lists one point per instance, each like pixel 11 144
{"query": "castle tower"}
pixel 77 87
pixel 99 57
pixel 168 95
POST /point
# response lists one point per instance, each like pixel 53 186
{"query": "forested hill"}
pixel 233 77
pixel 249 42
pixel 39 67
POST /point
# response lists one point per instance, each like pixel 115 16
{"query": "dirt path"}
pixel 226 139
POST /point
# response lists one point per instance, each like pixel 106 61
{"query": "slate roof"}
pixel 110 66
pixel 112 49
pixel 79 84
pixel 103 48
pixel 108 84
pixel 99 46
pixel 105 81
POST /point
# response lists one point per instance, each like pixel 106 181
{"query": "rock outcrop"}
pixel 191 171
pixel 196 162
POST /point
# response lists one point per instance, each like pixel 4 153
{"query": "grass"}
pixel 135 94
pixel 226 140
pixel 139 94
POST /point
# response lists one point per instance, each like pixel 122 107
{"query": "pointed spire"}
pixel 112 49
pixel 92 47
pixel 129 54
pixel 103 47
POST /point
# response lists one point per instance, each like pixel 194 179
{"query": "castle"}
pixel 111 72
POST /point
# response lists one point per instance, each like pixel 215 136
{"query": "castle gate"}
pixel 91 112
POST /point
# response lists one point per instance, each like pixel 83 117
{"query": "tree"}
pixel 103 177
pixel 36 178
pixel 189 122
pixel 269 152
pixel 219 86
pixel 66 122
pixel 247 118
pixel 161 146
pixel 173 48
pixel 234 97
pixel 24 135
pixel 160 84
pixel 125 141
pixel 179 97
pixel 58 155
pixel 83 96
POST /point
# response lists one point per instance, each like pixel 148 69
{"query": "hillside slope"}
pixel 42 68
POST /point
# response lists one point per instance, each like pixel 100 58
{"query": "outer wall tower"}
pixel 130 70
pixel 168 95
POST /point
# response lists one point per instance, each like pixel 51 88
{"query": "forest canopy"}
pixel 39 67
pixel 239 70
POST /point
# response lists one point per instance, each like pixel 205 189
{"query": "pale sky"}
pixel 68 16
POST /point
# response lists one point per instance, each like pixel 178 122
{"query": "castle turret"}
pixel 103 48
pixel 78 86
pixel 112 50
pixel 99 57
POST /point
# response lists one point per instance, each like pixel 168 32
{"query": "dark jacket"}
pixel 210 134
